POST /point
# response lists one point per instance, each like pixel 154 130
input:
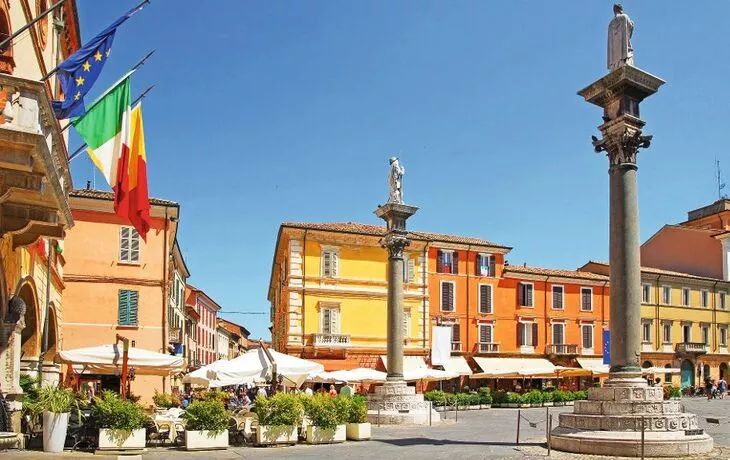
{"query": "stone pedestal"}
pixel 395 403
pixel 10 370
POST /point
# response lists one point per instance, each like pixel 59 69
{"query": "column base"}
pixel 611 420
pixel 395 403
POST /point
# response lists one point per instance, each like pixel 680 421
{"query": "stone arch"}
pixel 30 336
pixel 7 63
pixel 647 365
pixel 723 371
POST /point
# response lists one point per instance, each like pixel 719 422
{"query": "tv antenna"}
pixel 720 183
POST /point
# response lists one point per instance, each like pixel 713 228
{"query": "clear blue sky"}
pixel 272 111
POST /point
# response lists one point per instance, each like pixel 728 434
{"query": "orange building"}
pixel 116 283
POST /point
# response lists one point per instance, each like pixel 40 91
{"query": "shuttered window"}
pixel 667 333
pixel 447 296
pixel 406 324
pixel 330 317
pixel 558 297
pixel 485 333
pixel 723 337
pixel 526 334
pixel 646 293
pixel 128 245
pixel 587 333
pixel 455 333
pixel 128 305
pixel 524 295
pixel 447 262
pixel 409 270
pixel 330 262
pixel 558 333
pixel 705 297
pixel 485 298
pixel 722 300
pixel 586 299
pixel 685 297
pixel 485 265
pixel 666 295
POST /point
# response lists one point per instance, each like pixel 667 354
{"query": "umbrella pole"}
pixel 125 362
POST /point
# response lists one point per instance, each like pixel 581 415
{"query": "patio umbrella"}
pixel 358 375
pixel 203 376
pixel 254 365
pixel 107 359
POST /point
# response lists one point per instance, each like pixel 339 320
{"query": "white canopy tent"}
pixel 415 368
pixel 254 365
pixel 514 368
pixel 458 365
pixel 359 375
pixel 202 376
pixel 107 359
pixel 661 370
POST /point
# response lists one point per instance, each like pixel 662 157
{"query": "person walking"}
pixel 708 388
pixel 333 391
pixel 722 387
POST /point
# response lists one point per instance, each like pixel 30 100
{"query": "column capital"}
pixel 622 139
pixel 395 242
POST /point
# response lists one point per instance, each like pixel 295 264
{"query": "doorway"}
pixel 688 374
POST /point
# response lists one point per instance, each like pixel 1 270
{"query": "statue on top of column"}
pixel 620 29
pixel 396 181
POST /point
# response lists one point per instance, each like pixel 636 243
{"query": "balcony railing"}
pixel 332 340
pixel 488 347
pixel 562 349
pixel 691 347
pixel 175 335
pixel 455 346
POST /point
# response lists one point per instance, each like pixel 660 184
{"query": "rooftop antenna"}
pixel 720 183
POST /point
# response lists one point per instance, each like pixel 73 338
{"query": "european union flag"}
pixel 78 73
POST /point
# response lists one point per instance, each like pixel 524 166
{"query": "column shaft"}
pixel 395 318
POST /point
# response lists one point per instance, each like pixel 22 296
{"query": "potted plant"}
pixel 485 398
pixel 569 398
pixel 580 395
pixel 533 398
pixel 499 399
pixel 206 425
pixel 558 398
pixel 55 403
pixel 165 401
pixel 547 398
pixel 358 428
pixel 328 421
pixel 513 400
pixel 278 419
pixel 121 423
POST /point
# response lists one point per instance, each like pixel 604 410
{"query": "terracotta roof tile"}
pixel 554 272
pixel 379 230
pixel 109 196
pixel 659 271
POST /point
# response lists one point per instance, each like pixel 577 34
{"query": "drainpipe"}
pixel 468 325
pixel 659 338
pixel 425 314
pixel 164 293
pixel 545 312
pixel 47 310
pixel 304 285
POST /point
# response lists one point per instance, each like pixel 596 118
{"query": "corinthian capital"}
pixel 396 243
pixel 622 146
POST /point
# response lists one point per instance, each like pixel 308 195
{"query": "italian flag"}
pixel 114 134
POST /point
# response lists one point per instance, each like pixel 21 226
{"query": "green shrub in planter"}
pixel 214 395
pixel 56 399
pixel 500 397
pixel 547 396
pixel 322 411
pixel 485 398
pixel 110 411
pixel 279 410
pixel 207 416
pixel 675 392
pixel 342 406
pixel 357 410
pixel 514 398
pixel 533 397
pixel 569 396
pixel 165 401
pixel 580 395
pixel 558 396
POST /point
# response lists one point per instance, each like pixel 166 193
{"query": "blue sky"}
pixel 272 111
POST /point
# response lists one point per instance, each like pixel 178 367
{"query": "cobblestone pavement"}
pixel 478 434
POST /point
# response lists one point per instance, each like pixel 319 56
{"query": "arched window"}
pixel 647 365
pixel 7 64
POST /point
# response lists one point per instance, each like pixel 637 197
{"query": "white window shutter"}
pixel 335 263
pixel 326 264
pixel 326 321
pixel 411 271
pixel 335 321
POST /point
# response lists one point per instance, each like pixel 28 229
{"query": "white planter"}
pixel 558 403
pixel 548 404
pixel 358 431
pixel 317 435
pixel 112 439
pixel 55 427
pixel 206 440
pixel 266 435
pixel 486 406
pixel 569 403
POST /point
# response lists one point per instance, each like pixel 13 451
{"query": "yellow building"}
pixel 685 322
pixel 328 294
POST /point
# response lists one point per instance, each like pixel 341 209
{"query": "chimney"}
pixel 88 185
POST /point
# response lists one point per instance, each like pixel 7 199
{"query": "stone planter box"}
pixel 548 404
pixel 317 435
pixel 524 405
pixel 358 431
pixel 535 404
pixel 206 440
pixel 511 405
pixel 475 407
pixel 558 403
pixel 486 406
pixel 112 439
pixel 569 403
pixel 267 435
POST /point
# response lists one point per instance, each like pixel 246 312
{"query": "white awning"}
pixel 595 365
pixel 661 370
pixel 410 363
pixel 514 367
pixel 107 359
pixel 458 365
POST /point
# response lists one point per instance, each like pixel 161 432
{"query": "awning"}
pixel 254 365
pixel 513 367
pixel 107 359
pixel 595 365
pixel 410 363
pixel 337 364
pixel 358 375
pixel 458 365
pixel 661 370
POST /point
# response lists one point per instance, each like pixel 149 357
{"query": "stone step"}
pixel 624 394
pixel 398 398
pixel 678 422
pixel 394 390
pixel 391 405
pixel 624 408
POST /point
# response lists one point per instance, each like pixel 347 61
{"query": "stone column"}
pixel 395 245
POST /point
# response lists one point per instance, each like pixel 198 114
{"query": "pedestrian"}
pixel 308 390
pixel 722 387
pixel 261 392
pixel 708 388
pixel 333 391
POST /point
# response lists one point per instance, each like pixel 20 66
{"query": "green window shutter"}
pixel 123 317
pixel 133 307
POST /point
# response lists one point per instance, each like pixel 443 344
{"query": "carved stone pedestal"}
pixel 395 403
pixel 10 375
pixel 610 421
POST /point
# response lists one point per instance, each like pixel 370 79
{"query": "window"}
pixel 667 333
pixel 485 298
pixel 455 337
pixel 558 333
pixel 447 262
pixel 526 334
pixel 666 295
pixel 409 270
pixel 706 334
pixel 705 297
pixel 447 296
pixel 587 334
pixel 722 299
pixel 646 332
pixel 685 297
pixel 558 292
pixel 330 320
pixel 686 333
pixel 485 265
pixel 723 337
pixel 406 324
pixel 128 245
pixel 330 262
pixel 486 333
pixel 586 299
pixel 646 293
pixel 524 294
pixel 128 305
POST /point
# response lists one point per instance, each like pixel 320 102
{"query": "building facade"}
pixel 116 283
pixel 239 337
pixel 206 333
pixel 176 315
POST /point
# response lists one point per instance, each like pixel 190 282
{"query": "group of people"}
pixel 715 388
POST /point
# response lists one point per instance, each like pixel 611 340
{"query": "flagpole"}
pixel 30 24
pixel 55 69
pixel 136 66
pixel 78 151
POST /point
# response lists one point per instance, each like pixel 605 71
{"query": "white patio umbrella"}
pixel 203 376
pixel 254 365
pixel 358 375
pixel 428 375
pixel 107 359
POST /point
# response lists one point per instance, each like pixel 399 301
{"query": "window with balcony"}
pixel 667 333
pixel 558 333
pixel 330 263
pixel 329 320
pixel 586 299
pixel 722 301
pixel 485 298
pixel 706 334
pixel 705 297
pixel 447 296
pixel 723 337
pixel 128 245
pixel 666 295
pixel 685 297
pixel 524 294
pixel 686 333
pixel 587 336
pixel 447 261
pixel 526 334
pixel 485 265
pixel 486 333
pixel 646 293
pixel 558 294
pixel 646 332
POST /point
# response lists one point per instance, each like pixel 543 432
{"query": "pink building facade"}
pixel 208 310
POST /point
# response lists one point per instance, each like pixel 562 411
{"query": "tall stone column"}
pixel 395 243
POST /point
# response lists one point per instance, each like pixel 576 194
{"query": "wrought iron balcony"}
pixel 691 347
pixel 175 335
pixel 332 340
pixel 488 347
pixel 562 349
